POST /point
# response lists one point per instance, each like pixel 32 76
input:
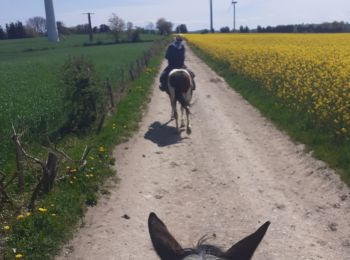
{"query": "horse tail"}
pixel 180 80
pixel 181 98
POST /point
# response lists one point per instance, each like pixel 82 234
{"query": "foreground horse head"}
pixel 168 248
pixel 180 90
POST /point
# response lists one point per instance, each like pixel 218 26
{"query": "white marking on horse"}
pixel 180 85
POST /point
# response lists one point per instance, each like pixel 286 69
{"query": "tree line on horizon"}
pixel 333 27
pixel 36 27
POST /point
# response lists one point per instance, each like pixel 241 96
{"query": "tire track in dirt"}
pixel 234 172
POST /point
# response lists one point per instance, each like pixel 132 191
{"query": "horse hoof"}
pixel 188 130
pixel 182 125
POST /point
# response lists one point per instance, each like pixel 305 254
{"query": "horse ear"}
pixel 163 242
pixel 244 249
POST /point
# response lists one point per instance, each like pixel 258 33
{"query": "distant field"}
pixel 309 73
pixel 30 86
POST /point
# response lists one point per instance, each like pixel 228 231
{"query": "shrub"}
pixel 83 97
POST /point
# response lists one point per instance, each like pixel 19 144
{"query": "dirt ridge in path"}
pixel 232 174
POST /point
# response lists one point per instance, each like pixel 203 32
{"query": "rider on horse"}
pixel 175 55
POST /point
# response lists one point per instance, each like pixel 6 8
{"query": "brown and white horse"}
pixel 180 86
pixel 168 248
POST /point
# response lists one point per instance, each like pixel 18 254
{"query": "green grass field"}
pixel 30 84
pixel 39 233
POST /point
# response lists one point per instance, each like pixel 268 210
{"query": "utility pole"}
pixel 211 16
pixel 234 15
pixel 90 27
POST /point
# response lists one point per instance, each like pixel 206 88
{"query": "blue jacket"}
pixel 175 55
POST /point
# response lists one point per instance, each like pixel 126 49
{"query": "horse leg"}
pixel 172 116
pixel 176 117
pixel 188 127
pixel 174 110
pixel 182 117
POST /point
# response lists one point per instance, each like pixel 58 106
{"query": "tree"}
pixel 62 29
pixel 81 29
pixel 164 26
pixel 15 30
pixel 104 28
pixel 225 29
pixel 244 29
pixel 2 34
pixel 150 28
pixel 117 26
pixel 129 26
pixel 37 24
pixel 182 28
pixel 133 34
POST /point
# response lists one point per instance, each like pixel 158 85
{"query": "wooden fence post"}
pixel 110 94
pixel 50 173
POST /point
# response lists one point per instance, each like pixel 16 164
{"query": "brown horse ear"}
pixel 244 249
pixel 163 242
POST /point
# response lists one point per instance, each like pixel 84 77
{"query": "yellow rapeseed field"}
pixel 307 72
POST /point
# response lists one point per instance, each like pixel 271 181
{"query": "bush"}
pixel 134 36
pixel 83 95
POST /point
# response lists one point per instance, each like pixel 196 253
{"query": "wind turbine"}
pixel 52 33
pixel 234 15
pixel 211 15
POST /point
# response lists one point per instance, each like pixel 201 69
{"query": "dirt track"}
pixel 234 172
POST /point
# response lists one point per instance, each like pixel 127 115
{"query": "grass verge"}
pixel 299 127
pixel 41 233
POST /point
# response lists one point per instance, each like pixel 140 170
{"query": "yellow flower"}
pixel 19 217
pixel 7 228
pixel 18 256
pixel 42 210
pixel 28 214
pixel 102 149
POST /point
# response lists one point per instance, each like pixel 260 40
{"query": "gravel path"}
pixel 234 172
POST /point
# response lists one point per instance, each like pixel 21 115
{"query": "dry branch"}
pixel 55 149
pixel 19 156
pixel 3 187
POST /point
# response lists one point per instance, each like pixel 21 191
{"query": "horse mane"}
pixel 203 251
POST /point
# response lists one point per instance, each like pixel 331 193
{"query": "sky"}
pixel 193 13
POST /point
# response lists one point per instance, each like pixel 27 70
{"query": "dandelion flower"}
pixel 19 256
pixel 7 227
pixel 42 210
pixel 19 217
